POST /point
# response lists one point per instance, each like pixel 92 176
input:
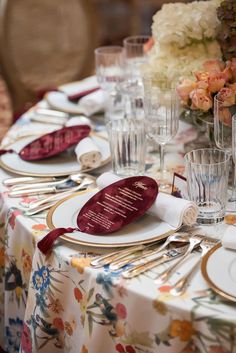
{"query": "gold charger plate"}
pixel 145 230
pixel 219 270
pixel 61 165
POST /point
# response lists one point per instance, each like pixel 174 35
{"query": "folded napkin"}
pixel 78 120
pixel 229 239
pixel 92 103
pixel 88 154
pixel 172 210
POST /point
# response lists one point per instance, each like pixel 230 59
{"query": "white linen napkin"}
pixel 88 153
pixel 170 209
pixel 78 120
pixel 229 239
pixel 92 103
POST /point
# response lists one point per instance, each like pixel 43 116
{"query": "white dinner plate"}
pixel 219 270
pixel 63 164
pixel 145 230
pixel 58 99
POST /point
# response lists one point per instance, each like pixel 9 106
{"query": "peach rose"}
pixel 232 87
pixel 216 81
pixel 227 71
pixel 225 116
pixel 201 75
pixel 201 99
pixel 213 66
pixel 184 88
pixel 226 96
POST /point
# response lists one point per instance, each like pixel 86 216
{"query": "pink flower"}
pixel 201 99
pixel 225 116
pixel 184 88
pixel 217 349
pixel 12 218
pixel 201 76
pixel 213 66
pixel 227 71
pixel 226 96
pixel 121 311
pixel 26 343
pixel 232 86
pixel 216 81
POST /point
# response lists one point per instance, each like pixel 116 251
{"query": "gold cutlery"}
pixel 107 259
pixel 176 237
pixel 165 275
pixel 150 264
pixel 180 286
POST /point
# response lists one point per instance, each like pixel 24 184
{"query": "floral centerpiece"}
pixel 185 35
pixel 197 95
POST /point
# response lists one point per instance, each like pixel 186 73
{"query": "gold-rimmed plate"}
pixel 219 270
pixel 145 230
pixel 63 164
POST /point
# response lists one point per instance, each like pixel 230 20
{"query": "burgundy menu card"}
pixel 52 143
pixel 110 209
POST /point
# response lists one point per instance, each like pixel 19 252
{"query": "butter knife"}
pixel 27 180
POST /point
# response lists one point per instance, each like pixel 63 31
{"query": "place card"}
pixel 179 187
pixel 110 209
pixel 52 143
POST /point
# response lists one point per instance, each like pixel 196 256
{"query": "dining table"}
pixel 59 302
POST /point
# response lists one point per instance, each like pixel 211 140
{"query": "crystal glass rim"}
pixel 218 100
pixel 109 49
pixel 225 153
pixel 132 39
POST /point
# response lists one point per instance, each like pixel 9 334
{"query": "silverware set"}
pixel 142 258
pixel 58 188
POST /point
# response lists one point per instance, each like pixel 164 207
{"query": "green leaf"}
pixel 90 294
pixel 90 324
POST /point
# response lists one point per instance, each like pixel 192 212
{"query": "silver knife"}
pixel 44 190
pixel 148 265
pixel 27 180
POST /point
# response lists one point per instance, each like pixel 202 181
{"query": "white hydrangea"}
pixel 185 37
pixel 183 24
pixel 172 63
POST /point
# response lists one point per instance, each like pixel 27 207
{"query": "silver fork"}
pixel 165 275
pixel 180 285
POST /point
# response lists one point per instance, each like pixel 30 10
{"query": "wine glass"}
pixel 135 56
pixel 223 114
pixel 109 61
pixel 161 106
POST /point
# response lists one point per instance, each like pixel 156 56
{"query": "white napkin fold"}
pixel 88 153
pixel 229 239
pixel 92 103
pixel 168 208
pixel 78 120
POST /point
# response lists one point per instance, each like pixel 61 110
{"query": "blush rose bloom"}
pixel 226 96
pixel 213 66
pixel 233 68
pixel 184 88
pixel 216 81
pixel 201 99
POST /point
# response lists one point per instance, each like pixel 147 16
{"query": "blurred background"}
pixel 48 43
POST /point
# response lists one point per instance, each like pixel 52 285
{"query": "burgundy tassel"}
pixel 5 151
pixel 45 245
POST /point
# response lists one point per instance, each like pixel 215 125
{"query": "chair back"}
pixel 44 44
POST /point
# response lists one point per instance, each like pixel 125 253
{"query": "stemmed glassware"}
pixel 109 62
pixel 161 106
pixel 223 123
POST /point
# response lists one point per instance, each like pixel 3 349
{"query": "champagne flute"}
pixel 161 106
pixel 223 123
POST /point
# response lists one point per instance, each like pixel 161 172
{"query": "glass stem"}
pixel 161 148
pixel 233 195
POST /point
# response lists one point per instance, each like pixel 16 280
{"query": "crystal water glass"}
pixel 109 62
pixel 234 141
pixel 161 108
pixel 223 113
pixel 207 179
pixel 135 56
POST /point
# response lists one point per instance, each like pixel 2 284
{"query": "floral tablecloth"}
pixel 58 303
